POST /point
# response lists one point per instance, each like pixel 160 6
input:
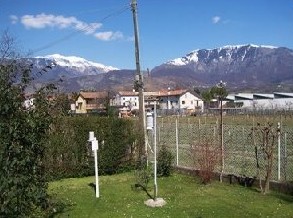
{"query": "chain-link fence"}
pixel 240 156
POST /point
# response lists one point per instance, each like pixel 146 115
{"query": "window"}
pixel 183 102
pixel 191 102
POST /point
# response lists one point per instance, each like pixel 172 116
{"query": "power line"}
pixel 85 29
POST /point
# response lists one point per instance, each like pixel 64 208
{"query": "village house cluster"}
pixel 127 102
pixel 182 102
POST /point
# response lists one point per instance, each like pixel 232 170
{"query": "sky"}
pixel 102 30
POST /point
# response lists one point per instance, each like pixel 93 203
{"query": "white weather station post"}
pixel 152 126
pixel 95 147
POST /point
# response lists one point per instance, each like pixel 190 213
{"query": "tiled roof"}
pixel 157 94
pixel 172 92
pixel 94 95
pixel 128 93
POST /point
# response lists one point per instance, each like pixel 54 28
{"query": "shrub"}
pixel 205 157
pixel 23 132
pixel 165 159
pixel 69 153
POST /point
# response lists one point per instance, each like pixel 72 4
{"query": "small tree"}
pixel 165 159
pixel 207 97
pixel 22 135
pixel 205 158
pixel 264 140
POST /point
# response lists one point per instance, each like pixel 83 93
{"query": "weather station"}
pixel 151 121
pixel 95 146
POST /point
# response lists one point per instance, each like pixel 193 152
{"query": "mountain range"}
pixel 243 67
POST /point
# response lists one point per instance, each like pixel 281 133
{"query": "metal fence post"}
pixel 177 146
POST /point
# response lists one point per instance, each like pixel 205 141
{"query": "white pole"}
pixel 97 174
pixel 155 152
pixel 95 147
pixel 177 146
pixel 279 152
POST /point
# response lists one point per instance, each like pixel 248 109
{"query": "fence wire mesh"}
pixel 181 136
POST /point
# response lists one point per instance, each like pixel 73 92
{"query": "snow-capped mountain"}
pixel 242 67
pixel 77 63
pixel 227 53
pixel 67 66
pixel 239 65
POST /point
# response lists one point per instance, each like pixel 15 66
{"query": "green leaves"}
pixel 68 153
pixel 22 133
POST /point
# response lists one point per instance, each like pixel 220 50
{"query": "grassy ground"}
pixel 184 195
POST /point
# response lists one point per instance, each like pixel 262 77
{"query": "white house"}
pixel 180 99
pixel 126 100
pixel 166 100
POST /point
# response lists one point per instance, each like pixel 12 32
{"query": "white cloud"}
pixel 216 19
pixel 108 36
pixel 41 21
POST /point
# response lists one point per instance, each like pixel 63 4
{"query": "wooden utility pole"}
pixel 138 85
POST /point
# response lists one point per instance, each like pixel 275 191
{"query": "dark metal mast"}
pixel 138 83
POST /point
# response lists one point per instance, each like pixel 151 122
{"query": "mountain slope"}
pixel 239 66
pixel 67 67
pixel 242 67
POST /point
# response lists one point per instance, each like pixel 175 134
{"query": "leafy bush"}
pixel 165 159
pixel 23 186
pixel 69 153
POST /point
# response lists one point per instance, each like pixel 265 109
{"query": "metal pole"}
pixel 97 174
pixel 155 152
pixel 95 147
pixel 177 146
pixel 279 152
pixel 222 143
pixel 138 76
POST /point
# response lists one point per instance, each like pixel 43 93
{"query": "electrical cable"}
pixel 87 28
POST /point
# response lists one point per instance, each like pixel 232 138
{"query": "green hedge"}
pixel 69 154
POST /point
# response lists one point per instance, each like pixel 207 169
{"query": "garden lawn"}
pixel 184 195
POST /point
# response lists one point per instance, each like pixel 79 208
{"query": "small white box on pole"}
pixel 150 121
pixel 95 144
pixel 91 136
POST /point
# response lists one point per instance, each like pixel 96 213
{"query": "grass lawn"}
pixel 184 195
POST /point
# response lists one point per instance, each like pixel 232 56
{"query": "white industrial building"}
pixel 259 101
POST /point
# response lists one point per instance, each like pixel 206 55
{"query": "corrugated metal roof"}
pixel 247 96
pixel 283 95
pixel 263 96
